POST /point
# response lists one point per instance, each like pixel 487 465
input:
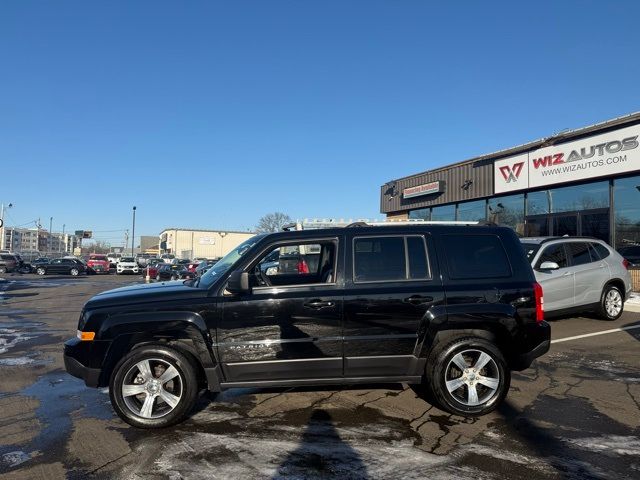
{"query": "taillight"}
pixel 537 291
pixel 625 263
pixel 303 267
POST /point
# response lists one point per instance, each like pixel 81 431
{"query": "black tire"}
pixel 157 355
pixel 41 271
pixel 3 270
pixel 441 366
pixel 74 272
pixel 158 278
pixel 611 303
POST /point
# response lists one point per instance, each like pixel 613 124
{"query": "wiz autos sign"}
pixel 597 156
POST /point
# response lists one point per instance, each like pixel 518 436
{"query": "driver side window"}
pixel 288 264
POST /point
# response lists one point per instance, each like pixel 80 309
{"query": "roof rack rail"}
pixel 315 223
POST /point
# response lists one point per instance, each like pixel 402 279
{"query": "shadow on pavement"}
pixel 322 453
pixel 545 444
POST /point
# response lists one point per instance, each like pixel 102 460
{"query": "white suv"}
pixel 127 265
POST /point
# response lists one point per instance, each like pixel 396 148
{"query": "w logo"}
pixel 511 173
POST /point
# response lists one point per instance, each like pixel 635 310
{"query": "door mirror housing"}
pixel 238 282
pixel 549 266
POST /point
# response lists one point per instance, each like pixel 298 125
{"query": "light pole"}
pixel 62 239
pixel 50 235
pixel 2 239
pixel 133 231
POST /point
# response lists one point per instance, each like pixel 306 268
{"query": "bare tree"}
pixel 97 246
pixel 272 222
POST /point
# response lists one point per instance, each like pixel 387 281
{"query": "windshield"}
pixel 127 259
pixel 229 259
pixel 530 249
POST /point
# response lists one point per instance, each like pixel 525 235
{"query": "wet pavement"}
pixel 574 414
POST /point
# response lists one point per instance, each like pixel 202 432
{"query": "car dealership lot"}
pixel 575 413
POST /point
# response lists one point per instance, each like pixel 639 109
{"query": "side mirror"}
pixel 238 282
pixel 549 266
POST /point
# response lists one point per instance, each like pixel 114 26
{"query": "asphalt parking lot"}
pixel 574 414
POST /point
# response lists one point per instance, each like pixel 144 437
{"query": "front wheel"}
pixel 611 303
pixel 153 387
pixel 468 377
pixel 3 270
pixel 41 271
pixel 74 272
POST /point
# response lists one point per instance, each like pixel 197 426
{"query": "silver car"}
pixel 579 274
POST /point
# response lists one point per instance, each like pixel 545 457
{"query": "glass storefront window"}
pixel 446 213
pixel 626 201
pixel 422 214
pixel 569 199
pixel 472 211
pixel 508 211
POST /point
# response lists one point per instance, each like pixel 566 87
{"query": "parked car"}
pixel 143 259
pixel 192 265
pixel 8 263
pixel 173 272
pixel 579 274
pixel 167 257
pixel 180 261
pixel 114 258
pixel 37 262
pixel 151 269
pixel 99 263
pixel 205 265
pixel 452 308
pixel 127 265
pixel 71 266
pixel 631 253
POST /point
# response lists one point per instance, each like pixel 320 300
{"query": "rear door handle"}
pixel 318 304
pixel 418 299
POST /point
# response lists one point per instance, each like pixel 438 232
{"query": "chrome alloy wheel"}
pixel 472 378
pixel 152 388
pixel 613 303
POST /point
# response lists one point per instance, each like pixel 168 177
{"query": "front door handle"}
pixel 418 299
pixel 318 304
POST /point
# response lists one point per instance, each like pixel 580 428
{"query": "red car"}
pixel 152 270
pixel 98 263
pixel 192 266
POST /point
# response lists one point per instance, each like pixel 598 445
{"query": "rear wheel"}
pixel 468 377
pixel 40 271
pixel 74 272
pixel 153 387
pixel 611 303
pixel 3 270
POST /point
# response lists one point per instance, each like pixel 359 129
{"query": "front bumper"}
pixel 79 358
pixel 128 270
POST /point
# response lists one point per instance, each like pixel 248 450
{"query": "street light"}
pixel 50 235
pixel 133 231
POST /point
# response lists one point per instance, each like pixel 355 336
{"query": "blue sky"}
pixel 211 114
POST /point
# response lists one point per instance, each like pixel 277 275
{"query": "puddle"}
pixel 60 397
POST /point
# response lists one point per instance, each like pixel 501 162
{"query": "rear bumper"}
pixel 538 340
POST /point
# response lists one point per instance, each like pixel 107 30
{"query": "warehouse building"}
pixel 578 182
pixel 195 243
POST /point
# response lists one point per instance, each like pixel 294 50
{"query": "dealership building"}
pixel 578 182
pixel 198 243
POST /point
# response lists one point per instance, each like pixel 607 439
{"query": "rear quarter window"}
pixel 476 256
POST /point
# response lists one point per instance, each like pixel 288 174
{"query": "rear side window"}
pixel 398 258
pixel 476 256
pixel 553 253
pixel 602 252
pixel 579 252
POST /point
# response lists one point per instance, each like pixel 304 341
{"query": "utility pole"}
pixel 133 232
pixel 50 234
pixel 63 240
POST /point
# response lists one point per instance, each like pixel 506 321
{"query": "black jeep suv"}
pixel 454 308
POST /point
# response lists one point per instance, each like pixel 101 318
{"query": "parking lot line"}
pixel 604 332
